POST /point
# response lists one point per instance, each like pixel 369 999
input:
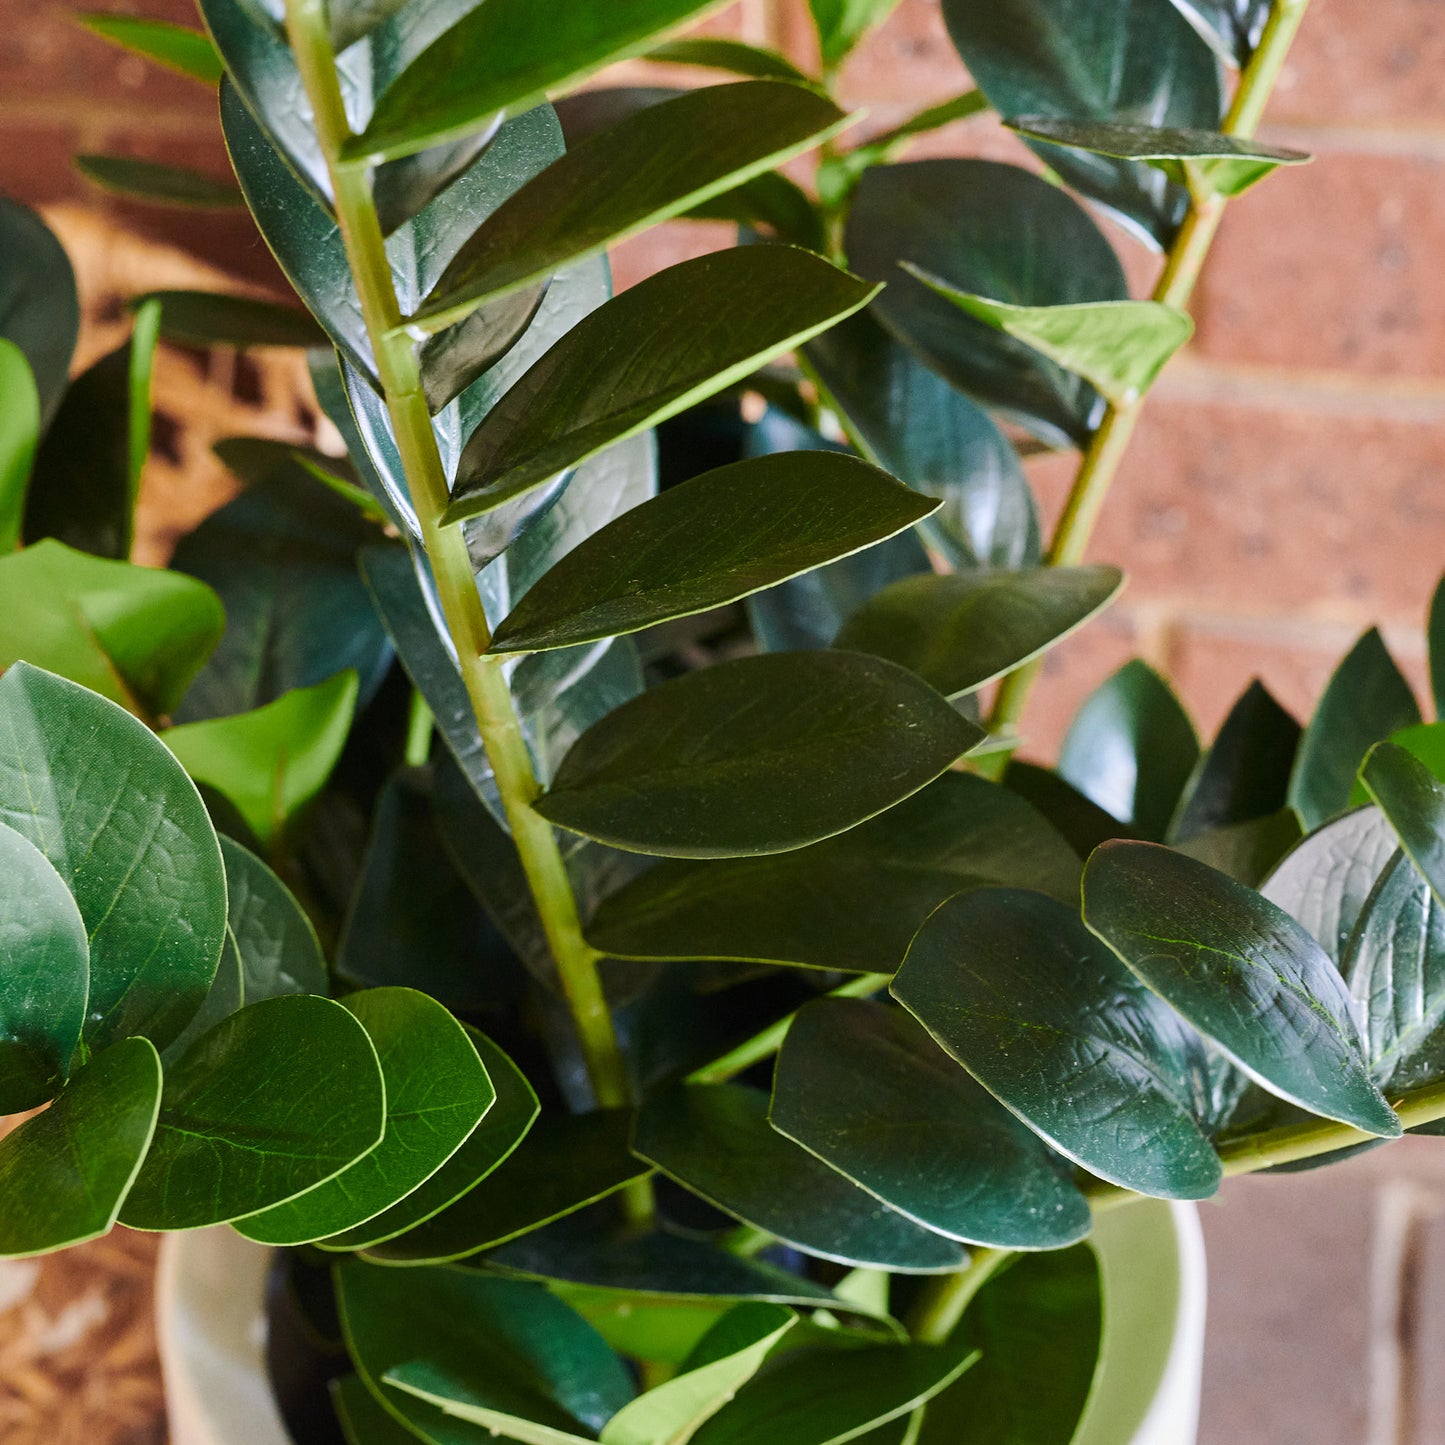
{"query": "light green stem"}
pixel 491 699
pixel 940 1309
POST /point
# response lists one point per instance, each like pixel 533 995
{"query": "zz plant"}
pixel 669 1011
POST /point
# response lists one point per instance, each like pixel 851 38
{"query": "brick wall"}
pixel 1286 488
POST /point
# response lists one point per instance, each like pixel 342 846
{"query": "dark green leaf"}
pixel 45 977
pixel 842 24
pixel 1413 799
pixel 865 1089
pixel 1038 1325
pixel 1122 60
pixel 491 1143
pixel 64 1173
pixel 1083 822
pixel 216 318
pixel 963 630
pixel 19 438
pixel 1232 27
pixel 802 908
pixel 1204 160
pixel 592 389
pixel 1131 749
pixel 39 307
pixel 275 1100
pixel 507 55
pixel 656 163
pixel 563 1165
pixel 437 1091
pixel 1367 700
pixel 716 52
pixel 178 48
pixel 1246 851
pixel 363 1418
pixel 1014 987
pixel 757 755
pixel 710 541
pixel 1242 971
pixel 164 184
pixel 991 229
pixel 132 841
pixel 1435 636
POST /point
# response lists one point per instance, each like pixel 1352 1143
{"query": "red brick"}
pixel 35 162
pixel 908 61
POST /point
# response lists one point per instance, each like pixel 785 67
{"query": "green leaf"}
pixel 715 1140
pixel 564 1164
pixel 499 1344
pixel 132 842
pixel 1232 27
pixel 963 630
pixel 136 635
pixel 1435 637
pixel 19 437
pixel 1242 971
pixel 733 1351
pixel 841 24
pixel 39 307
pixel 991 229
pixel 1038 1324
pixel 1413 799
pixel 757 755
pixel 162 184
pixel 270 762
pixel 592 388
pixel 802 908
pixel 87 472
pixel 1011 984
pixel 64 1173
pixel 216 318
pixel 178 48
pixel 1246 851
pixel 44 978
pixel 437 1091
pixel 1083 822
pixel 489 1145
pixel 1119 346
pixel 508 55
pixel 1367 700
pixel 710 541
pixel 865 1089
pixel 1119 60
pixel 654 164
pixel 275 1100
pixel 1205 161
pixel 716 52
pixel 363 1418
pixel 1131 749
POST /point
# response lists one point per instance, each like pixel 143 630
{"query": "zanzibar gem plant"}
pixel 560 873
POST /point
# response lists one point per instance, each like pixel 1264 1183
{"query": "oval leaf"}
pixel 178 48
pixel 161 184
pixel 39 306
pixel 214 318
pixel 1413 799
pixel 19 437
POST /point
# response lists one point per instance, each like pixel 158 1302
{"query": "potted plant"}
pixel 662 1008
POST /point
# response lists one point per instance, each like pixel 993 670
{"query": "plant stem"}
pixel 940 1308
pixel 501 731
pixel 1185 260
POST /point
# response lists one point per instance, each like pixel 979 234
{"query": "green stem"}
pixel 400 376
pixel 941 1307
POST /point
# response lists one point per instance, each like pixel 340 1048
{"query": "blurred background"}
pixel 1286 490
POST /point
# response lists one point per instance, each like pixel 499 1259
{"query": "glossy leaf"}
pixel 710 541
pixel 490 1144
pixel 1204 160
pixel 177 47
pixel 1013 986
pixel 841 24
pixel 271 761
pixel 132 842
pixel 39 307
pixel 758 755
pixel 508 55
pixel 364 1420
pixel 992 229
pixel 1131 749
pixel 802 908
pixel 715 1140
pixel 162 184
pixel 717 52
pixel 1119 346
pixel 275 1100
pixel 136 635
pixel 1240 970
pixel 19 437
pixel 656 163
pixel 865 1089
pixel 564 1164
pixel 1413 799
pixel 592 389
pixel 1367 699
pixel 65 1172
pixel 1125 60
pixel 1232 27
pixel 1247 851
pixel 963 630
pixel 44 975
pixel 1081 821
pixel 437 1091
pixel 216 318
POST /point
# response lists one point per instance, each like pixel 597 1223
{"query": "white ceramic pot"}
pixel 211 1323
